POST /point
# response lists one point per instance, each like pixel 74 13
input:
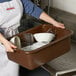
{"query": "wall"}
pixel 67 5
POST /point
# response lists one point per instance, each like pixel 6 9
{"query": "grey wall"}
pixel 67 5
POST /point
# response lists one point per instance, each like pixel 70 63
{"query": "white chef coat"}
pixel 10 15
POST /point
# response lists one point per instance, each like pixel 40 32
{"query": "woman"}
pixel 11 12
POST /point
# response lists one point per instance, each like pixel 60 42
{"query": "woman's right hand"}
pixel 9 46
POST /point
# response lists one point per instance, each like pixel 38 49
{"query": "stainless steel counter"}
pixel 65 64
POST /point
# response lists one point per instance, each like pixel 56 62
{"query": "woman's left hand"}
pixel 59 25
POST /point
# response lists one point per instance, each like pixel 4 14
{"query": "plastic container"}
pixel 40 56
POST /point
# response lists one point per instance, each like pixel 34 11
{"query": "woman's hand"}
pixel 9 46
pixel 59 25
pixel 45 17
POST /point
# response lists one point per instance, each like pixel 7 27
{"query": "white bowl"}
pixel 44 37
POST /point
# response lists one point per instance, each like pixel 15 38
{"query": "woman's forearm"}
pixel 47 18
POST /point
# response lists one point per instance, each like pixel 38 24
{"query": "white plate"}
pixel 33 46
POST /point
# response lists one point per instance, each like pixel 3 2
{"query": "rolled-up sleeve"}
pixel 31 9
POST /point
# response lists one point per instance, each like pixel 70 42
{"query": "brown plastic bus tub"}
pixel 35 58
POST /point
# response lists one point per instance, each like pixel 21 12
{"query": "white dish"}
pixel 33 46
pixel 44 37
